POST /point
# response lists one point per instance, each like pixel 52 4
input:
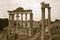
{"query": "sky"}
pixel 34 5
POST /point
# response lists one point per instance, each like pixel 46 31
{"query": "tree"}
pixel 3 23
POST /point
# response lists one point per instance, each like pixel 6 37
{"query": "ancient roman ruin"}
pixel 43 20
pixel 21 31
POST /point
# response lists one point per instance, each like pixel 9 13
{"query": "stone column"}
pixel 11 20
pixel 17 22
pixel 26 20
pixel 17 19
pixel 26 23
pixel 31 24
pixel 11 25
pixel 49 22
pixel 22 20
pixel 49 19
pixel 43 24
pixel 31 20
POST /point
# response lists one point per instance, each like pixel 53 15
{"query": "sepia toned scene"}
pixel 26 23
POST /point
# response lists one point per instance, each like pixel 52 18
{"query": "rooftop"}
pixel 20 9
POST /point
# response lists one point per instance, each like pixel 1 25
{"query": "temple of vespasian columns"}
pixel 12 30
pixel 43 6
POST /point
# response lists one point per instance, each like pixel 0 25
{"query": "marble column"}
pixel 31 24
pixel 26 23
pixel 22 20
pixel 49 19
pixel 43 24
pixel 11 25
pixel 17 20
pixel 11 20
pixel 26 20
pixel 8 31
pixel 49 22
pixel 31 20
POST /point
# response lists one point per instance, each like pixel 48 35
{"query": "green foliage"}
pixel 3 23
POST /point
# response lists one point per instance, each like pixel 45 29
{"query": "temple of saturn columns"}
pixel 12 30
pixel 20 11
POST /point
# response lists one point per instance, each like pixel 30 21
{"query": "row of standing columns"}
pixel 11 19
pixel 43 21
pixel 11 22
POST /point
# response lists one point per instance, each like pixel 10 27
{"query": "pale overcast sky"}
pixel 35 5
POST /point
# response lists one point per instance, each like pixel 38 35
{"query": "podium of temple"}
pixel 13 29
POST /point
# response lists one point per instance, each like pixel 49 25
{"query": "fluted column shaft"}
pixel 11 25
pixel 49 19
pixel 11 20
pixel 21 20
pixel 43 24
pixel 26 20
pixel 31 20
pixel 49 22
pixel 31 23
pixel 26 23
pixel 17 19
